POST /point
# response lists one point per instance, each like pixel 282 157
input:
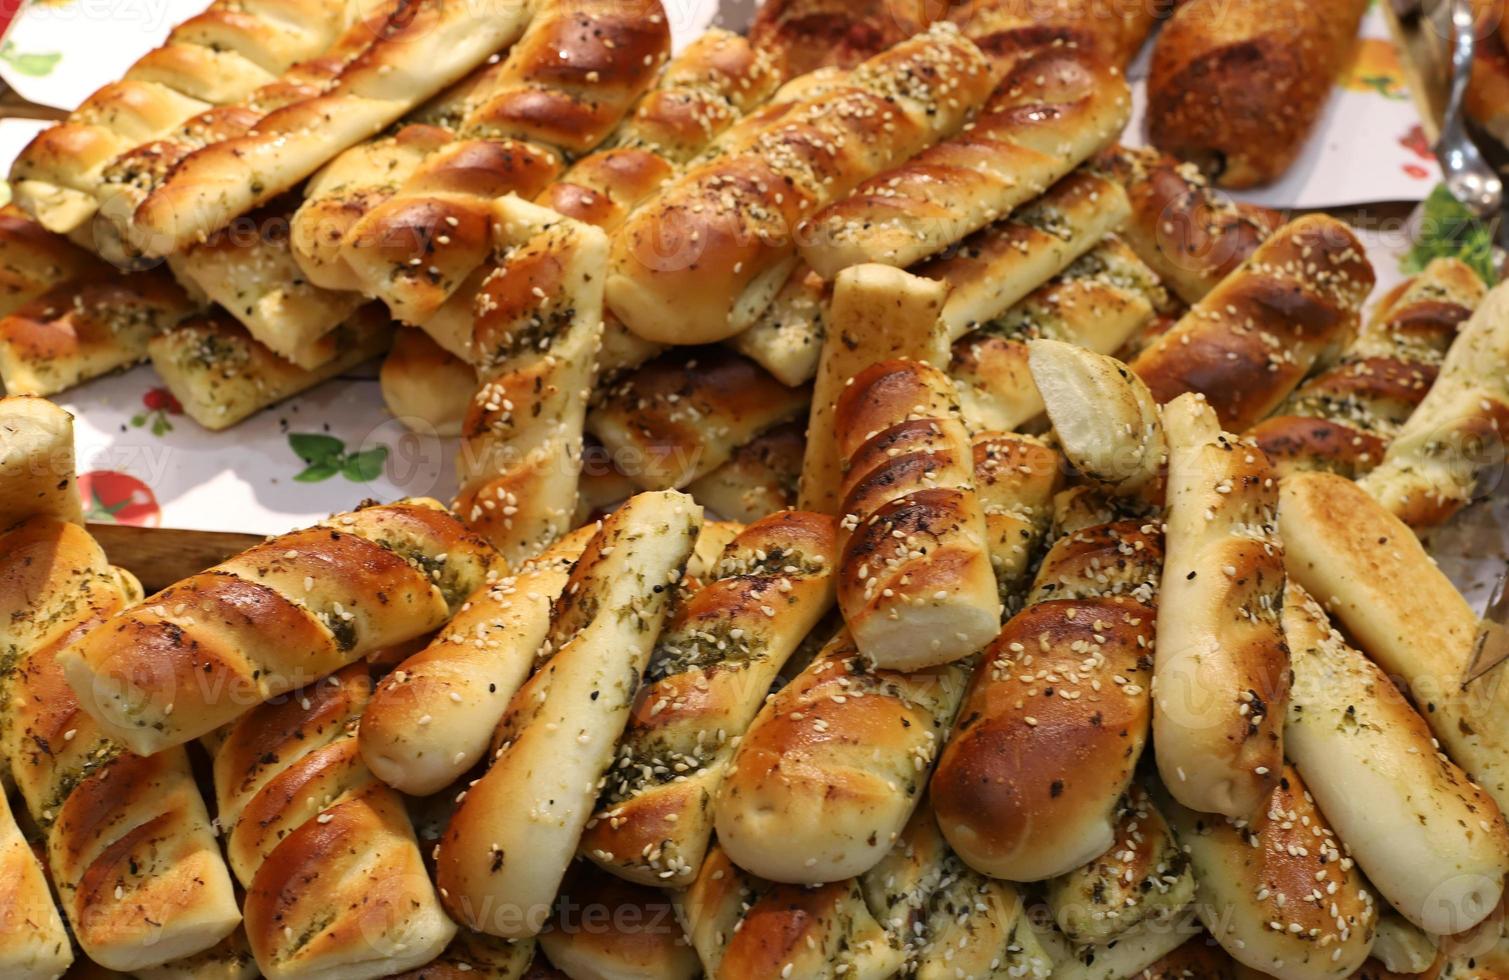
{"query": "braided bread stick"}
pixel 432 718
pixel 335 885
pixel 1222 671
pixel 1051 111
pixel 1252 339
pixel 744 928
pixel 759 478
pixel 1433 844
pixel 129 844
pixel 1096 304
pixel 33 943
pixel 708 676
pixel 33 259
pixel 539 317
pixel 1016 477
pixel 274 618
pixel 1344 418
pixel 787 339
pixel 1432 468
pixel 509 843
pixel 221 375
pixel 36 462
pixel 706 256
pixel 1191 235
pixel 86 327
pixel 833 766
pixel 1276 888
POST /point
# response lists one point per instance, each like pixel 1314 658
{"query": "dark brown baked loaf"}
pixel 1236 85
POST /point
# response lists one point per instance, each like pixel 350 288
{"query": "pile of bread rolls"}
pixel 902 533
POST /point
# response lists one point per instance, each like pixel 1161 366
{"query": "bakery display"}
pixel 902 531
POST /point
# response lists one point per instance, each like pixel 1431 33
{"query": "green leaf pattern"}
pixel 324 456
pixel 35 64
pixel 1448 230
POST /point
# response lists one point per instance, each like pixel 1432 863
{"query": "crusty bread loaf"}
pixel 1050 112
pixel 1458 431
pixel 1235 87
pixel 424 49
pixel 744 928
pixel 539 317
pixel 432 718
pixel 129 844
pixel 425 386
pixel 706 256
pixel 1142 876
pixel 877 313
pixel 36 462
pixel 1191 235
pixel 915 580
pixel 1344 418
pixel 1372 574
pixel 335 885
pixel 708 676
pixel 1251 340
pixel 221 375
pixel 608 929
pixel 502 858
pixel 682 415
pixel 1097 303
pixel 1222 670
pixel 33 259
pixel 274 618
pixel 1277 889
pixel 86 327
pixel 33 943
pixel 1433 844
pixel 759 478
pixel 833 766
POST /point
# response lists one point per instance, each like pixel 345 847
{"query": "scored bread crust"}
pixel 274 618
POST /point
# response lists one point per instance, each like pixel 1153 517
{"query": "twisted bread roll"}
pixel 1457 433
pixel 1136 950
pixel 708 676
pixel 787 339
pixel 1277 889
pixel 1097 304
pixel 877 313
pixel 608 929
pixel 807 35
pixel 1433 844
pixel 423 384
pixel 1344 418
pixel 431 719
pixel 335 883
pixel 833 766
pixel 759 478
pixel 915 580
pixel 273 618
pixel 33 259
pixel 1253 338
pixel 747 929
pixel 513 836
pixel 539 317
pixel 1370 570
pixel 1222 671
pixel 701 261
pixel 33 943
pixel 1016 477
pixel 682 415
pixel 36 462
pixel 426 48
pixel 83 328
pixel 1236 87
pixel 129 845
pixel 1192 236
pixel 222 375
pixel 1051 111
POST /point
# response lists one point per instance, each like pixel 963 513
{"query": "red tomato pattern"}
pixel 118 498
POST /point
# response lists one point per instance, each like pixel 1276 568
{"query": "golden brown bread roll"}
pixel 36 462
pixel 708 676
pixel 1016 478
pixel 1053 110
pixel 509 843
pixel 760 477
pixel 425 385
pixel 833 766
pixel 707 255
pixel 1222 666
pixel 33 943
pixel 806 35
pixel 915 580
pixel 275 618
pixel 1344 418
pixel 33 259
pixel 1236 85
pixel 335 883
pixel 1252 339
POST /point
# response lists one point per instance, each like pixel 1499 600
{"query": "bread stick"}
pixel 787 339
pixel 424 385
pixel 33 259
pixel 760 477
pixel 35 945
pixel 1008 29
pixel 1016 477
pixel 36 462
pixel 501 859
pixel 606 928
pixel 708 676
pixel 1136 950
